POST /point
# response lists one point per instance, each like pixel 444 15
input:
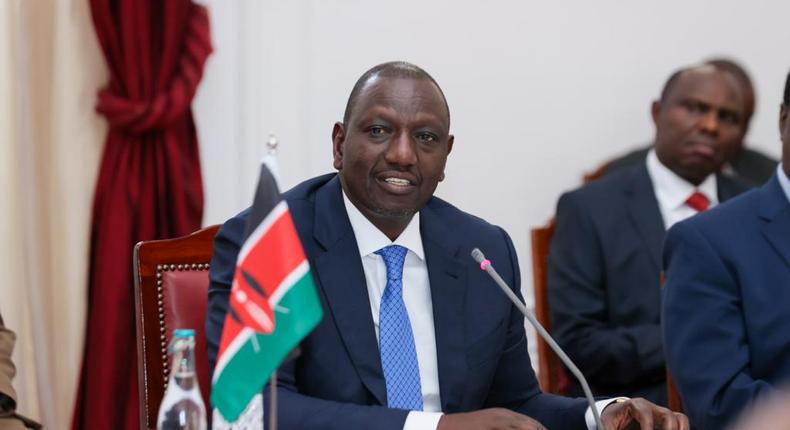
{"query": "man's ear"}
pixel 782 118
pixel 338 138
pixel 655 111
pixel 450 141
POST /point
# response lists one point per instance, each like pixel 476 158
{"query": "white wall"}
pixel 540 91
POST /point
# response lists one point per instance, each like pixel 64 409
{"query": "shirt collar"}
pixel 672 190
pixel 784 181
pixel 370 239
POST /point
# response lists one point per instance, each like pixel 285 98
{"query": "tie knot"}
pixel 698 201
pixel 393 256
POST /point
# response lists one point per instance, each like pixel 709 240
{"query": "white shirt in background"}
pixel 672 191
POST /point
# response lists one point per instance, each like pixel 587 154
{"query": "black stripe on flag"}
pixel 266 198
pixel 252 282
pixel 234 315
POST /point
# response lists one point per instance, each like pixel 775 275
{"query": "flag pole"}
pixel 273 389
pixel 273 402
pixel 272 146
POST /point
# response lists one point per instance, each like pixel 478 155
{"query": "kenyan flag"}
pixel 273 303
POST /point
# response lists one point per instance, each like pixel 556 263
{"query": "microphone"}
pixel 485 265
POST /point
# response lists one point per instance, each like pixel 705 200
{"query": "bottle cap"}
pixel 183 332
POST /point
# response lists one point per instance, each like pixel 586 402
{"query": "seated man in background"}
pixel 414 335
pixel 727 298
pixel 605 258
pixel 749 164
pixel 9 419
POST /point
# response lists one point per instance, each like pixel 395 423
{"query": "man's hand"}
pixel 488 419
pixel 643 415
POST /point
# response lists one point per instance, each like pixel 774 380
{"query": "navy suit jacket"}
pixel 727 305
pixel 337 382
pixel 604 281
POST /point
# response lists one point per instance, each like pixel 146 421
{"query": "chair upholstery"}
pixel 171 289
pixel 551 373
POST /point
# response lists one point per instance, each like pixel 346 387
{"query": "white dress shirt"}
pixel 672 191
pixel 417 298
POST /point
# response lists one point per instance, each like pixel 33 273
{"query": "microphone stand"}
pixel 486 266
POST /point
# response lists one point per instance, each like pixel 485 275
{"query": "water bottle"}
pixel 182 407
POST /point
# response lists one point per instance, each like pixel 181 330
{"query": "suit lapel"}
pixel 775 211
pixel 645 213
pixel 448 279
pixel 339 269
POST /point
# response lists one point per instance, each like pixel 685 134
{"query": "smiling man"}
pixel 605 259
pixel 414 335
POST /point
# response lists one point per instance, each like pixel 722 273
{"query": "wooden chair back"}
pixel 551 374
pixel 171 289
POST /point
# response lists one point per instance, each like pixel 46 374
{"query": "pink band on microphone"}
pixel 484 264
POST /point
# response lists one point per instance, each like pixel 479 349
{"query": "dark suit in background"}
pixel 754 166
pixel 337 381
pixel 727 305
pixel 603 281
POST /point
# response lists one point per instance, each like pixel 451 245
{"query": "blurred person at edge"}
pixel 9 419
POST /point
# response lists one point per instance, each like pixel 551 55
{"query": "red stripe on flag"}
pixel 229 332
pixel 276 254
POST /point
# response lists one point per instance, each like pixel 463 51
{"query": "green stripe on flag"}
pixel 251 366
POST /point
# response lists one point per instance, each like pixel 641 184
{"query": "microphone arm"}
pixel 486 266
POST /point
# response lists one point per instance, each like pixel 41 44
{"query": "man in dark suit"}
pixel 727 299
pixel 605 257
pixel 747 163
pixel 414 334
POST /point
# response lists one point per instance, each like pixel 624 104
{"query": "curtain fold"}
pixel 149 184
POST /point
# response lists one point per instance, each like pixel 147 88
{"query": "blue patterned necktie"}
pixel 396 340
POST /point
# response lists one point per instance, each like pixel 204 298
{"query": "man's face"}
pixel 784 129
pixel 699 124
pixel 392 152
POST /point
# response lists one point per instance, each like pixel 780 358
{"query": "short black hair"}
pixel 719 64
pixel 392 69
pixel 740 74
pixel 669 85
pixel 786 99
pixel 735 69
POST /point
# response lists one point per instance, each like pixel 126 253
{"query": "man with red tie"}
pixel 605 259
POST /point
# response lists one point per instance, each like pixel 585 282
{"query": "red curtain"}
pixel 149 184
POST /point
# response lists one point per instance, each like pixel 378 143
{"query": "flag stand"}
pixel 273 402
